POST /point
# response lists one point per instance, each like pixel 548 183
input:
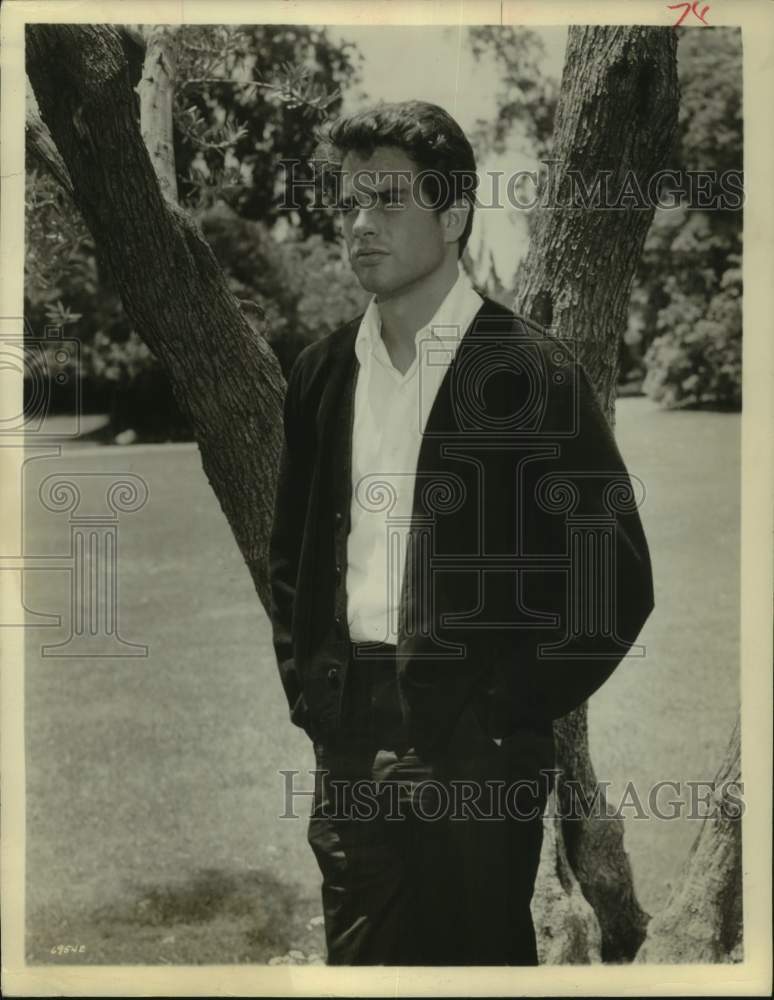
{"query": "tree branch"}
pixel 289 94
pixel 40 144
pixel 224 376
pixel 156 90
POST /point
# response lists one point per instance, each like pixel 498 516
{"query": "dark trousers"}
pixel 423 862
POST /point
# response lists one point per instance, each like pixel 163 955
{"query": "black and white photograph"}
pixel 386 440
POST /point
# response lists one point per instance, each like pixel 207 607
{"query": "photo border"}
pixel 750 977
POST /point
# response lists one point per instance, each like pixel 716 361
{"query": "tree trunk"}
pixel 702 920
pixel 157 91
pixel 41 146
pixel 617 112
pixel 225 377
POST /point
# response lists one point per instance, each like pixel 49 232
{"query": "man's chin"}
pixel 373 283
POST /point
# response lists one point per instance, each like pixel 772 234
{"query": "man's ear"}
pixel 454 219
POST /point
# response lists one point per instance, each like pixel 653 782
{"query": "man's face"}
pixel 394 240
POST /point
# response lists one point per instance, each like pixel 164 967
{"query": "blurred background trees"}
pixel 683 345
pixel 236 121
pixel 685 330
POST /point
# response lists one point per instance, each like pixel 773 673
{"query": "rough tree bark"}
pixel 157 91
pixel 703 918
pixel 224 376
pixel 40 145
pixel 617 112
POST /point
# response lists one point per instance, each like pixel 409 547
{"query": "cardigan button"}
pixel 339 517
pixel 333 677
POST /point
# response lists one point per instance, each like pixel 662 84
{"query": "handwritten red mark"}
pixel 688 8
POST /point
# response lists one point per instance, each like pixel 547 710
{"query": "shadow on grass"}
pixel 214 916
pixel 210 893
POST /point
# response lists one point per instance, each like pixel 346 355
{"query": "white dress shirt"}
pixel 391 411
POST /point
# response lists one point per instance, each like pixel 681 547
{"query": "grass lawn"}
pixel 153 784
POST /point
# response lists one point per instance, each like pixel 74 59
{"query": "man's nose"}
pixel 364 222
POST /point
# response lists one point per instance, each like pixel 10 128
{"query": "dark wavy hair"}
pixel 426 133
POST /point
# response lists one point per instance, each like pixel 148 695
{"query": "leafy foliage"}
pixel 303 286
pixel 686 318
pixel 697 361
pixel 58 245
pixel 710 66
pixel 527 98
pixel 247 97
pixel 248 102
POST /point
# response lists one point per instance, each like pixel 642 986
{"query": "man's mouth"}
pixel 369 256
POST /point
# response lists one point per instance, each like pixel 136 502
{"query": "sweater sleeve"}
pixel 285 545
pixel 596 577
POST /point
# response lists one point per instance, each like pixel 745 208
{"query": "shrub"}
pixel 698 360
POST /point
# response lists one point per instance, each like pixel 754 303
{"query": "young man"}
pixel 456 562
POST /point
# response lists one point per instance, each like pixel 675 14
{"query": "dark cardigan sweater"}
pixel 525 536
